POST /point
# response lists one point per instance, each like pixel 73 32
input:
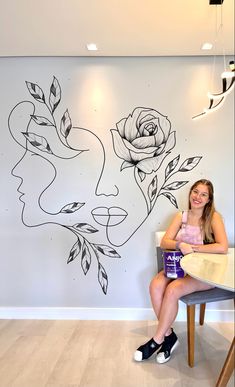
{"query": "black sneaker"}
pixel 146 350
pixel 169 345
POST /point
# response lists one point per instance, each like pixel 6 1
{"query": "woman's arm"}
pixel 168 241
pixel 221 242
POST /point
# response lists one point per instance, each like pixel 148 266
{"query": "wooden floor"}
pixel 35 353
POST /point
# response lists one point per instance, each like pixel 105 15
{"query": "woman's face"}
pixel 199 196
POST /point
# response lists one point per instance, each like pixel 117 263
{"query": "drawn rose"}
pixel 143 139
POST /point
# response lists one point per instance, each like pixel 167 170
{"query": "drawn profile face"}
pixel 54 179
pixel 141 141
pixel 57 175
pixel 120 207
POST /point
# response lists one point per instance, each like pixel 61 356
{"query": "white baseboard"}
pixel 57 313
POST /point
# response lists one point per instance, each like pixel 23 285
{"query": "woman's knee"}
pixel 157 285
pixel 174 290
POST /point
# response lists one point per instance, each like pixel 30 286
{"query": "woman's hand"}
pixel 185 248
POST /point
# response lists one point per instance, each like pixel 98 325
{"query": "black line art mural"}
pixel 43 155
pixel 62 173
pixel 143 140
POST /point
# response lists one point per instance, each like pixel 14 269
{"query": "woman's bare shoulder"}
pixel 177 219
pixel 179 215
pixel 217 217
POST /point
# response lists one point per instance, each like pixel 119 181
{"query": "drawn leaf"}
pixel 107 250
pixel 102 278
pixel 38 142
pixel 55 94
pixel 65 124
pixel 86 258
pixel 190 163
pixel 171 166
pixel 172 199
pixel 74 251
pixel 152 189
pixel 126 164
pixel 41 120
pixel 175 185
pixel 71 207
pixel 36 91
pixel 142 175
pixel 84 227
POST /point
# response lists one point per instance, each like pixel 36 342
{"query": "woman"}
pixel 199 229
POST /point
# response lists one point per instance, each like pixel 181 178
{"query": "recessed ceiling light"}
pixel 207 46
pixel 92 47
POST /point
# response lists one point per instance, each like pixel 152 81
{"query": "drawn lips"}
pixel 21 194
pixel 109 216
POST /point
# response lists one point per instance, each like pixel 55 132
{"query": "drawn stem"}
pixel 159 192
pixel 148 204
pixel 56 128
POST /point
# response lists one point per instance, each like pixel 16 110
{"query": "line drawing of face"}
pixel 142 140
pixel 45 176
pixel 49 191
pixel 120 207
pixel 70 177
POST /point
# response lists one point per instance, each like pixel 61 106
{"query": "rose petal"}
pixel 145 113
pixel 160 149
pixel 130 129
pixel 150 123
pixel 151 164
pixel 140 113
pixel 121 126
pixel 170 142
pixel 140 154
pixel 119 146
pixel 143 142
pixel 159 137
pixel 165 125
pixel 136 157
pixel 149 115
pixel 146 151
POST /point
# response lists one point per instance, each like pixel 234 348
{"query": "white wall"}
pixel 98 93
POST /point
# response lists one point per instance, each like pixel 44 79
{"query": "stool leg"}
pixel 191 333
pixel 228 368
pixel 202 313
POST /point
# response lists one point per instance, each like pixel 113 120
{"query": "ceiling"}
pixel 118 27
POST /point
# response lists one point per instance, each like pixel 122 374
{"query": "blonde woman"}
pixel 200 229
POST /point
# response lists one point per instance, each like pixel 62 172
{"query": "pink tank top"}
pixel 189 234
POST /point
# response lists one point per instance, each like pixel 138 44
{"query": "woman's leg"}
pixel 165 295
pixel 169 306
pixel 157 289
pixel 169 311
